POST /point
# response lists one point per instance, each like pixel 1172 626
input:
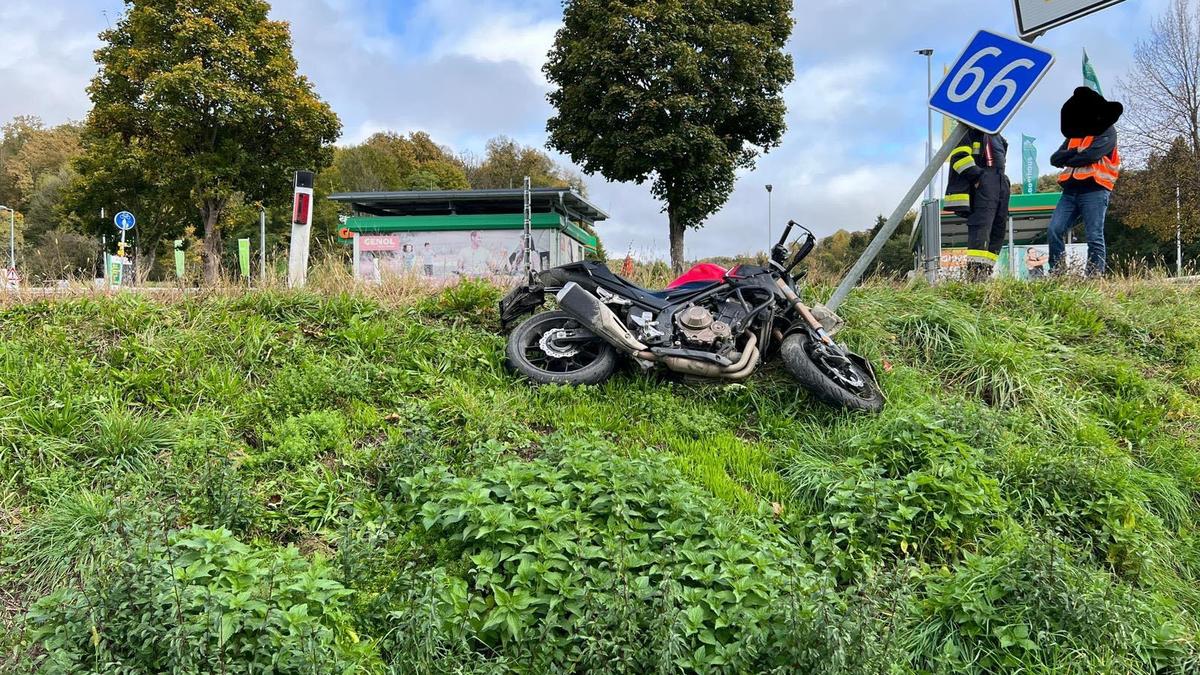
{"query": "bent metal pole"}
pixel 868 257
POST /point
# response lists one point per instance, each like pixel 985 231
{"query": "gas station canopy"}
pixel 471 202
pixel 1030 218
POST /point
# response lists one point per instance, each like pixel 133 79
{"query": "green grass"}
pixel 1028 501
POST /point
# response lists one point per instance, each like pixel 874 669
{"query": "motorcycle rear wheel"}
pixel 591 363
pixel 820 379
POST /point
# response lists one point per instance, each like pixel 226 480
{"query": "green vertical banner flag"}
pixel 244 257
pixel 179 259
pixel 1089 75
pixel 1029 167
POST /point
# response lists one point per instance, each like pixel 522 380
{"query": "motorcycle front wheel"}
pixel 836 381
pixel 534 351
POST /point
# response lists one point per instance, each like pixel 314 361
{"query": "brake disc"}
pixel 554 350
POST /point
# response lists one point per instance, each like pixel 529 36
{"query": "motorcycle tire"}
pixel 526 357
pixel 812 377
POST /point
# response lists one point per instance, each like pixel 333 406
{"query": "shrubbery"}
pixel 912 490
pixel 200 602
pixel 598 559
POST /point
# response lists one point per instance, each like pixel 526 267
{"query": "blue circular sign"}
pixel 124 220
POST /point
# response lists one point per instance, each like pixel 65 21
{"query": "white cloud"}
pixel 46 57
pixel 506 38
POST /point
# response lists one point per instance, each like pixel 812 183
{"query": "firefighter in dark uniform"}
pixel 979 189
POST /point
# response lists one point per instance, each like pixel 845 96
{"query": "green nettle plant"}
pixel 914 490
pixel 199 602
pixel 598 558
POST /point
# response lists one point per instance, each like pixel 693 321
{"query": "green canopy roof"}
pixel 1030 213
pixel 496 221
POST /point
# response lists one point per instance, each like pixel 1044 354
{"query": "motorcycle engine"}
pixel 710 327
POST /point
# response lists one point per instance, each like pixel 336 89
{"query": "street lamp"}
pixel 12 237
pixel 928 54
pixel 770 238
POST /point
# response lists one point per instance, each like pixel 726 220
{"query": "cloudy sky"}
pixel 467 70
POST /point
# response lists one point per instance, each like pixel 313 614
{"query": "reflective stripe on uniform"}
pixel 957 200
pixel 964 163
pixel 985 257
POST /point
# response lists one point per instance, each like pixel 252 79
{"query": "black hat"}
pixel 1087 113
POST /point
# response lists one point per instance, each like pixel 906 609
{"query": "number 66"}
pixel 977 74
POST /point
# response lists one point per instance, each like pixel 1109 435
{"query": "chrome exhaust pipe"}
pixel 598 318
pixel 735 372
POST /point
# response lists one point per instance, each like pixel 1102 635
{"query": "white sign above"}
pixel 1035 17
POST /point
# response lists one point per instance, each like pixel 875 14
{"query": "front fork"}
pixel 823 334
pixel 804 312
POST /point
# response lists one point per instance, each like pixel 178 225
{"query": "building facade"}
pixel 442 235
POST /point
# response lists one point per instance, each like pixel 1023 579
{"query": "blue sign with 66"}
pixel 990 81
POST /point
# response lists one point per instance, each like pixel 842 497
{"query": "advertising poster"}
pixel 1033 262
pixel 456 254
pixel 954 263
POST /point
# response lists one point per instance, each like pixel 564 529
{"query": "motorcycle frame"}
pixel 775 281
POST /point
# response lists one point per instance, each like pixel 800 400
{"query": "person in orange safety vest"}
pixel 1091 165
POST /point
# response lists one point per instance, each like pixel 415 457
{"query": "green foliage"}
pixel 506 163
pixel 1034 479
pixel 389 161
pixel 1029 606
pixel 468 301
pixel 1146 200
pixel 64 540
pixel 302 439
pixel 203 102
pixel 675 92
pixel 597 559
pixel 835 254
pixel 913 489
pixel 199 602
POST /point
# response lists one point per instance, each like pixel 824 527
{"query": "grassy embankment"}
pixel 353 481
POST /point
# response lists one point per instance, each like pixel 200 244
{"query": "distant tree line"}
pixel 59 228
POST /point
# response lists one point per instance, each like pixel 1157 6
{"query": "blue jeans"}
pixel 1092 207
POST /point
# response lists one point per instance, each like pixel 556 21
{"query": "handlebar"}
pixel 787 232
pixel 779 254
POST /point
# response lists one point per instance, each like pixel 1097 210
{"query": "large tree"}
pixel 1161 126
pixel 1162 91
pixel 680 92
pixel 1159 199
pixel 201 102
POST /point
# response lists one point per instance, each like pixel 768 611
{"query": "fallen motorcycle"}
pixel 711 323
